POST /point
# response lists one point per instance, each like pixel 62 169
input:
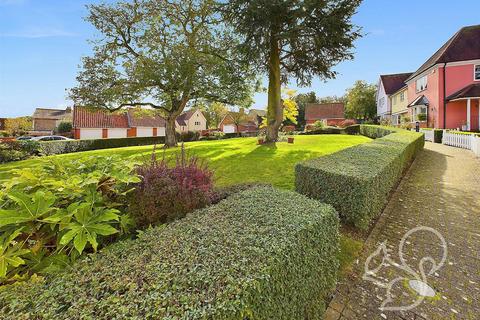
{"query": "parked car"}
pixel 50 138
pixel 24 138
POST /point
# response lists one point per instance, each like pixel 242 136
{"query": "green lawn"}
pixel 233 160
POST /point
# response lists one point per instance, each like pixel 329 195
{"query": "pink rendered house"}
pixel 447 86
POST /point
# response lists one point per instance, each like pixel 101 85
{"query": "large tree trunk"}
pixel 170 137
pixel 275 106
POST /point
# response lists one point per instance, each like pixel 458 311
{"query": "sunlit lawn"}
pixel 233 160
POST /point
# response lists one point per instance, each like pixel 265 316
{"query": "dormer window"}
pixel 477 72
pixel 421 84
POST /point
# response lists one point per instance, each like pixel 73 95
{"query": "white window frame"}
pixel 402 96
pixel 476 74
pixel 422 88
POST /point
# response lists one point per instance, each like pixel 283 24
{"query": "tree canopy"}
pixel 293 39
pixel 361 103
pixel 163 54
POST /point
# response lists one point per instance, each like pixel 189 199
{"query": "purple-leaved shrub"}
pixel 168 192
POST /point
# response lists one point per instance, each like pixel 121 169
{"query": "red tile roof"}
pixel 98 118
pixel 141 120
pixel 463 46
pixel 319 111
pixel 470 91
pixel 393 82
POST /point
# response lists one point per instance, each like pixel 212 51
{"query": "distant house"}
pixel 234 122
pixel 191 120
pixel 91 123
pixel 257 115
pixel 387 86
pixel 331 113
pixel 46 120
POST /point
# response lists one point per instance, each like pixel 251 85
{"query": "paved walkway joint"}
pixel 422 259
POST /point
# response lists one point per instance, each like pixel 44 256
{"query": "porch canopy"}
pixel 419 106
pixel 472 91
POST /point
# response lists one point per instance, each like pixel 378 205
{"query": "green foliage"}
pixel 319 124
pixel 49 210
pixel 164 54
pixel 64 127
pixel 361 102
pixel 68 146
pixel 437 135
pixel 260 254
pixel 369 170
pixel 17 150
pixel 353 130
pixel 422 117
pixel 18 126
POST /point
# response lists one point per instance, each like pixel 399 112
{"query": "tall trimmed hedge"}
pixel 260 254
pixel 68 146
pixel 357 180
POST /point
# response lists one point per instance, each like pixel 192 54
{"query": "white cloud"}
pixel 37 32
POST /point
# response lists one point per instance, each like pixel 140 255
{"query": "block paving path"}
pixel 440 191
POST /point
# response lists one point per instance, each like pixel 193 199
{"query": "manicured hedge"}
pixel 437 135
pixel 260 254
pixel 68 146
pixel 357 180
pixel 354 129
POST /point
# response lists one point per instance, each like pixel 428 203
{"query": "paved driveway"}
pixel 440 197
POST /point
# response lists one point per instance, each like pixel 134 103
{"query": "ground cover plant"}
pixel 260 254
pixel 51 214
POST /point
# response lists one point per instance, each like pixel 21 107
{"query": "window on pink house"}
pixel 477 72
pixel 421 84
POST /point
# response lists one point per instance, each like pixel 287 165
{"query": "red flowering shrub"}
pixel 168 192
pixel 347 123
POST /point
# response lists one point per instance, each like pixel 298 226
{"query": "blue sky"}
pixel 42 41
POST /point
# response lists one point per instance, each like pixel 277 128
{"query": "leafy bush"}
pixel 228 191
pixel 64 127
pixel 17 150
pixel 189 136
pixel 357 180
pixel 68 146
pixel 168 193
pixel 318 125
pixel 260 254
pixel 437 135
pixel 422 117
pixel 52 213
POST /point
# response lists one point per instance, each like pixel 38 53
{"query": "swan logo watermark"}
pixel 415 278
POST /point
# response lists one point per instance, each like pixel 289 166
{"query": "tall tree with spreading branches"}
pixel 293 39
pixel 162 54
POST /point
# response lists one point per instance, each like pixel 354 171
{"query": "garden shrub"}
pixel 260 254
pixel 166 193
pixel 68 146
pixel 225 192
pixel 437 135
pixel 334 130
pixel 50 214
pixel 17 150
pixel 189 136
pixel 357 180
